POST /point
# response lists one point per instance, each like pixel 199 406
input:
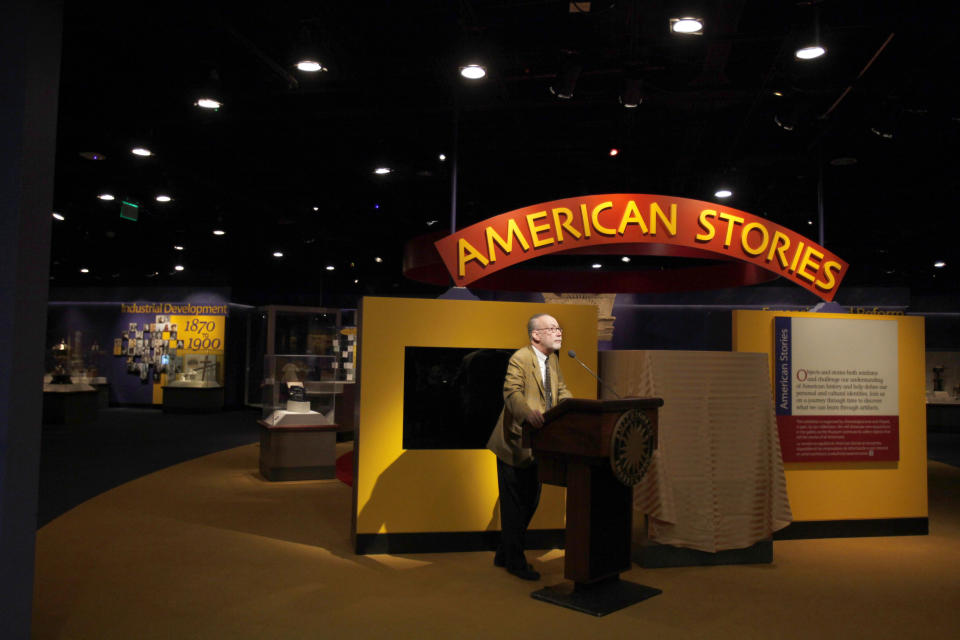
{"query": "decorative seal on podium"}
pixel 631 447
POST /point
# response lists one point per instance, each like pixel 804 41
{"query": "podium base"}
pixel 596 599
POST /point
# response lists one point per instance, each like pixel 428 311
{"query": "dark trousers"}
pixel 519 497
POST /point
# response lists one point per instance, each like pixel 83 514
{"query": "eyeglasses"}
pixel 551 329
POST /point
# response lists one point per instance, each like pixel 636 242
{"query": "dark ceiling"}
pixel 286 141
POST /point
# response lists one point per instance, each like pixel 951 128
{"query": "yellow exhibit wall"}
pixel 858 490
pixel 399 491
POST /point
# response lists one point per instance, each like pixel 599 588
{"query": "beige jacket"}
pixel 523 392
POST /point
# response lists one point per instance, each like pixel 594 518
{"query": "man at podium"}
pixel 532 385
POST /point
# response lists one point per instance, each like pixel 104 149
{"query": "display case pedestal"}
pixel 69 404
pixel 297 451
pixel 182 399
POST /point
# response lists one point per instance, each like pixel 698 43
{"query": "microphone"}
pixel 573 354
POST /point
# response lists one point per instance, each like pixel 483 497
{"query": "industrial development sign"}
pixel 836 384
pixel 577 224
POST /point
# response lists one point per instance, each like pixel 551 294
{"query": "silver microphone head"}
pixel 572 354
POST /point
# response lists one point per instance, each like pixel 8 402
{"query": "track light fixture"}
pixel 566 80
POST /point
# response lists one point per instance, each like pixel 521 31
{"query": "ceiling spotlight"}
pixel 106 196
pixel 787 123
pixel 632 94
pixel 356 282
pixel 625 259
pixel 310 66
pixel 378 259
pixel 278 254
pixel 723 193
pixel 164 198
pixel 810 222
pixel 208 103
pixel 596 265
pixel 382 171
pixel 219 232
pixel 687 25
pixel 178 247
pixel 316 208
pixel 84 270
pixel 58 216
pixel 92 155
pixel 473 71
pixel 779 94
pixel 330 267
pixel 810 52
pixel 566 80
pixel 614 152
pixel 178 267
pixel 443 157
pixel 939 264
pixel 142 152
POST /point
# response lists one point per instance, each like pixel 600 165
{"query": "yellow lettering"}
pixel 796 257
pixel 746 232
pixel 807 262
pixel 731 222
pixel 560 226
pixel 828 267
pixel 586 220
pixel 513 229
pixel 536 229
pixel 595 217
pixel 657 212
pixel 466 253
pixel 631 215
pixel 780 244
pixel 706 225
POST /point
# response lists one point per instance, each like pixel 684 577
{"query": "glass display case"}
pixel 303 389
pixel 193 370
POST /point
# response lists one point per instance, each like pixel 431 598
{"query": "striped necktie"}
pixel 548 393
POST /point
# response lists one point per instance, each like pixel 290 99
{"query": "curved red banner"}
pixel 575 224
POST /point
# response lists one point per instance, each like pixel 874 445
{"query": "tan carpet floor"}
pixel 208 549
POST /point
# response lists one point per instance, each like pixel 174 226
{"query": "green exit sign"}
pixel 129 210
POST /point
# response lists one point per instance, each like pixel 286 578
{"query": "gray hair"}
pixel 530 323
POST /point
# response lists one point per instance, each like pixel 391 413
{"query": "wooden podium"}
pixel 590 447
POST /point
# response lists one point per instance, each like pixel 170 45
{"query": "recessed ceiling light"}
pixel 779 94
pixel 178 247
pixel 208 103
pixel 178 267
pixel 164 198
pixel 939 264
pixel 430 223
pixel 473 71
pixel 106 196
pixel 378 259
pixel 810 222
pixel 356 282
pixel 723 193
pixel 310 66
pixel 219 232
pixel 142 152
pixel 614 152
pixel 58 216
pixel 84 270
pixel 596 265
pixel 316 208
pixel 382 171
pixel 330 267
pixel 625 259
pixel 687 25
pixel 278 254
pixel 443 157
pixel 810 53
pixel 92 155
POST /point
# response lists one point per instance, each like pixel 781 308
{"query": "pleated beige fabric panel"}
pixel 716 481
